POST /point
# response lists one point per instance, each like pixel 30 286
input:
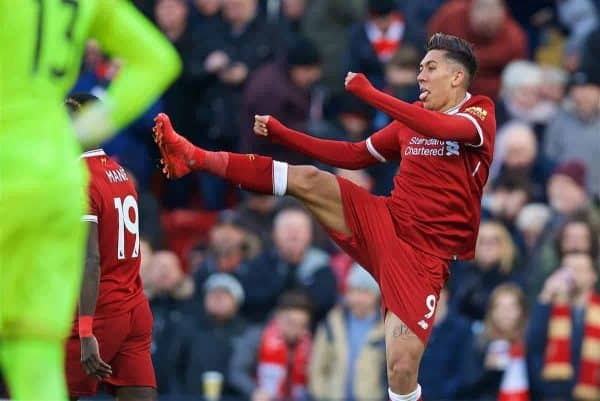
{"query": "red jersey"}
pixel 113 206
pixel 436 200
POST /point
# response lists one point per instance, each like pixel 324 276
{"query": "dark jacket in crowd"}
pixel 271 91
pixel 473 286
pixel 203 345
pixel 271 276
pixel 219 109
pixel 168 313
pixel 480 383
pixel 362 56
pixel 443 363
pixel 537 339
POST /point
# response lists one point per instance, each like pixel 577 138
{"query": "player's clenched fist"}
pixel 260 125
pixel 349 77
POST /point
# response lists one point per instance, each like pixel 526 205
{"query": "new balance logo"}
pixel 423 324
pixel 452 148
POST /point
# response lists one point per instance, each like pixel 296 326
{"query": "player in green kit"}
pixel 42 181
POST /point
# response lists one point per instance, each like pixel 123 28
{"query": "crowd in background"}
pixel 249 285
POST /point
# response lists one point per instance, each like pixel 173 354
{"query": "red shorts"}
pixel 124 342
pixel 410 279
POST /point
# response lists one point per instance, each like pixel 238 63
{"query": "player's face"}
pixel 437 79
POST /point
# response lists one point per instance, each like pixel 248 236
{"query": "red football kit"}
pixel 432 216
pixel 122 320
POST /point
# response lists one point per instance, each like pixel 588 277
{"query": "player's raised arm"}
pixel 445 74
pixel 149 64
pixel 343 154
pixel 430 123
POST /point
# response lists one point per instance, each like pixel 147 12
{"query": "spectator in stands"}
pixel 494 263
pixel 283 89
pixel 418 12
pixel 326 22
pixel 530 222
pixel 206 10
pixel 271 363
pixel 256 213
pixel 146 265
pixel 573 133
pixel 374 41
pixel 352 121
pixel 289 15
pixel 566 191
pixel 230 246
pixel 489 354
pixel 293 263
pixel 496 36
pixel 401 74
pixel 577 234
pixel 348 358
pixel 516 153
pixel 580 18
pixel 507 197
pixel 562 333
pixel 191 39
pixel 170 300
pixel 524 96
pixel 205 343
pixel 247 42
pixel 443 364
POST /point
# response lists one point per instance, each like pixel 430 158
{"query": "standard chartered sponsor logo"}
pixel 431 147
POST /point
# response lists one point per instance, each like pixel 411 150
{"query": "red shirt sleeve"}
pixel 481 115
pixel 94 204
pixel 384 145
pixel 428 123
pixel 348 155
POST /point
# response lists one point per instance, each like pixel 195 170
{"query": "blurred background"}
pixel 220 265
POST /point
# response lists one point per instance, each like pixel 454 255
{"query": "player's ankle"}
pixel 196 158
pixel 413 396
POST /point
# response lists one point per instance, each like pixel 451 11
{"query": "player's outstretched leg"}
pixel 403 354
pixel 318 190
pixel 33 369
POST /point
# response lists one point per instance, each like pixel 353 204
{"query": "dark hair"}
pixel 295 299
pixel 379 8
pixel 76 100
pixel 579 218
pixel 456 49
pixel 303 52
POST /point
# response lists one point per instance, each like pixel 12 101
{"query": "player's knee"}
pixel 402 369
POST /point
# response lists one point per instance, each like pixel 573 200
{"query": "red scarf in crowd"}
pixel 282 370
pixel 386 43
pixel 515 385
pixel 558 365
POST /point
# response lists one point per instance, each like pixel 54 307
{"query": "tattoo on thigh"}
pixel 402 331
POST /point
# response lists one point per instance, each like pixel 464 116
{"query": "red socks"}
pixel 251 172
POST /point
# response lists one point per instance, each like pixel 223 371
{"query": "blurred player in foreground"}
pixel 112 333
pixel 445 143
pixel 42 180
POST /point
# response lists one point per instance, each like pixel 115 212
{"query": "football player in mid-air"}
pixel 445 145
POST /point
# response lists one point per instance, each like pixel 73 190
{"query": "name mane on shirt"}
pixel 117 175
